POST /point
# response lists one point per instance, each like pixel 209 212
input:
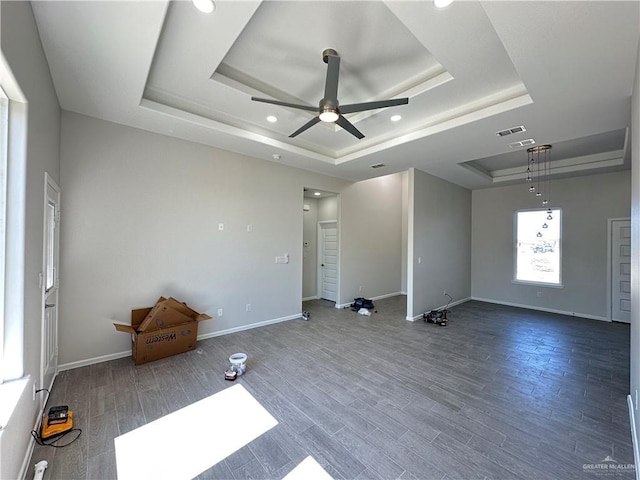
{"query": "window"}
pixel 4 119
pixel 13 175
pixel 538 246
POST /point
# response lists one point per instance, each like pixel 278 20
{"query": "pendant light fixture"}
pixel 538 176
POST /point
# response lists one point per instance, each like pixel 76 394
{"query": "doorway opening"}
pixel 320 263
pixel 49 283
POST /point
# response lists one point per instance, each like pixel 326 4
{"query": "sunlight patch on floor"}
pixel 308 469
pixel 191 440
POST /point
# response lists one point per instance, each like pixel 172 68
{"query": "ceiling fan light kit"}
pixel 205 6
pixel 328 110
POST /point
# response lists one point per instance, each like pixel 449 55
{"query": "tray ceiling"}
pixel 564 70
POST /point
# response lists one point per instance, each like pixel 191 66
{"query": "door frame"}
pixel 49 184
pixel 610 264
pixel 319 259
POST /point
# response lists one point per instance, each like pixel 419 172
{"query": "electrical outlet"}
pixel 220 312
pixel 221 226
pixel 445 293
pixel 248 307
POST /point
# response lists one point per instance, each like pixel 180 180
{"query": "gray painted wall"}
pixel 371 238
pixel 142 215
pixel 440 237
pixel 587 202
pixel 405 231
pixel 23 52
pixel 328 209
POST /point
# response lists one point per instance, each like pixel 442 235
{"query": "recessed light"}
pixel 205 6
pixel 396 118
pixel 272 119
pixel 442 3
pixel 317 194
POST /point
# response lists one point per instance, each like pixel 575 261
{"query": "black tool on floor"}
pixel 438 316
pixel 56 424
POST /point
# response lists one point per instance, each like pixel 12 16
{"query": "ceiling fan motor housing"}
pixel 326 52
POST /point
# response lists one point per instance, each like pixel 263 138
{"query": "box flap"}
pixel 121 327
pixel 181 307
pixel 162 316
pixel 168 312
pixel 186 310
pixel 138 315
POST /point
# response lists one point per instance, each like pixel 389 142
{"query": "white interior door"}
pixel 328 252
pixel 621 270
pixel 49 283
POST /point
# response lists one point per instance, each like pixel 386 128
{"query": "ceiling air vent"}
pixel 509 131
pixel 378 165
pixel 522 143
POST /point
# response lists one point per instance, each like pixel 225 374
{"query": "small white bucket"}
pixel 238 362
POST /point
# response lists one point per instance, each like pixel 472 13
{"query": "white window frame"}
pixel 4 140
pixel 13 267
pixel 557 214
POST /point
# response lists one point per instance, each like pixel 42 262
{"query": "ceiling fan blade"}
pixel 361 107
pixel 349 127
pixel 331 84
pixel 285 104
pixel 306 126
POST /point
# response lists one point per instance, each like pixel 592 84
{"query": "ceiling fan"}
pixel 329 110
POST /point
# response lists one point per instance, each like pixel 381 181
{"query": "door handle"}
pixel 322 264
pixel 49 305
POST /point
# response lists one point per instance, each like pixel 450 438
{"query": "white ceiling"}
pixel 564 70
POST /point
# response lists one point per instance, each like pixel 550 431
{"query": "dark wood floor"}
pixel 500 393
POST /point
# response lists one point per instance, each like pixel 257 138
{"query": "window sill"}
pixel 538 284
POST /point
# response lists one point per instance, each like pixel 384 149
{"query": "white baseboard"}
pixel 379 297
pixel 204 336
pixel 314 297
pixel 634 436
pixel 24 470
pixel 219 333
pixel 543 309
pixel 92 361
pixel 453 304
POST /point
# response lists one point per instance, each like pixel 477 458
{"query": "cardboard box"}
pixel 168 328
pixel 168 312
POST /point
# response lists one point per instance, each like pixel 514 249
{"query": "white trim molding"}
pixel 542 309
pixel 379 297
pixel 204 336
pixel 634 436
